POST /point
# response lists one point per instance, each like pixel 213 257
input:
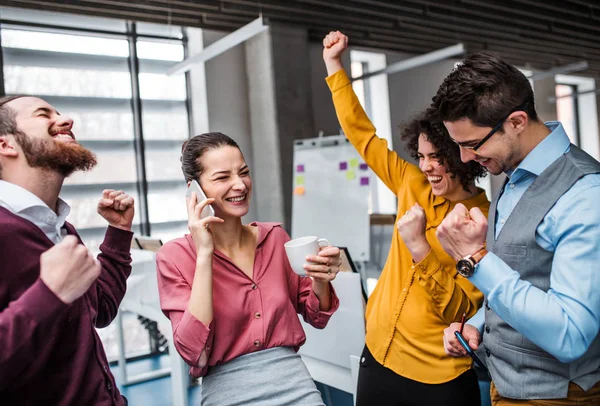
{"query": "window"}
pixel 373 94
pixel 86 75
pixel 576 108
pixel 86 78
pixel 361 87
pixel 567 111
pixel 166 127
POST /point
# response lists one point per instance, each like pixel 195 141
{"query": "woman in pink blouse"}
pixel 231 294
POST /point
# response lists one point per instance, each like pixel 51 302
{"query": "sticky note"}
pixel 354 162
pixel 350 175
pixel 300 180
pixel 343 166
pixel 299 190
pixel 364 181
pixel 299 168
pixel 363 166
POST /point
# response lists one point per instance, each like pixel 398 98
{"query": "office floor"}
pixel 156 392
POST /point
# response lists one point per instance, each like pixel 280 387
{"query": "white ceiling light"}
pixel 416 61
pixel 572 67
pixel 218 47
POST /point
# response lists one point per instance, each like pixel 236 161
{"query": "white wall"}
pixel 220 96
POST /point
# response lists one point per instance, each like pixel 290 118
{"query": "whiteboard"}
pixel 330 194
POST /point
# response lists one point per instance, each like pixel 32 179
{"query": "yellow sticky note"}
pixel 300 180
pixel 353 163
pixel 299 190
pixel 350 174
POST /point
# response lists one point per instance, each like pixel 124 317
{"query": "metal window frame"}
pixel 139 146
pixel 576 114
pixel 139 142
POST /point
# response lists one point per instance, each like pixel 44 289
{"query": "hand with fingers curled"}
pixel 117 208
pixel 412 227
pixel 322 269
pixel 200 227
pixel 463 231
pixel 68 269
pixel 451 344
pixel 334 45
pixel 324 266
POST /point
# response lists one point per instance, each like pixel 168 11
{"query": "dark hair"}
pixel 447 151
pixel 8 121
pixel 193 149
pixel 484 89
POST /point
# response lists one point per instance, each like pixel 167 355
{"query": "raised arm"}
pixel 190 309
pixel 117 208
pixel 191 319
pixel 359 130
pixel 115 260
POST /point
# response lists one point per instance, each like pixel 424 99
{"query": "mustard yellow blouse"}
pixel 412 303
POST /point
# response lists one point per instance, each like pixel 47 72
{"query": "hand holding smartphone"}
pixel 470 351
pixel 200 196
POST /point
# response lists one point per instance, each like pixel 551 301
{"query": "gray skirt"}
pixel 273 377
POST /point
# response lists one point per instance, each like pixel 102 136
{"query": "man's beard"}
pixel 64 158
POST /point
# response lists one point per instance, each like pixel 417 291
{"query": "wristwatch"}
pixel 466 266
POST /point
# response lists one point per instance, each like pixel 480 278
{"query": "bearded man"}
pixel 53 292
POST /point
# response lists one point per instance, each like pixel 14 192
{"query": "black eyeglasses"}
pixel 520 107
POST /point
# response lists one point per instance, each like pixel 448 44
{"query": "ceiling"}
pixel 538 34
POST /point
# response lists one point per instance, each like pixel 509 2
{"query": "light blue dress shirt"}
pixel 25 204
pixel 565 320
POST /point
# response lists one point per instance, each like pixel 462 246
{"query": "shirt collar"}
pixel 549 150
pixel 21 200
pixel 480 199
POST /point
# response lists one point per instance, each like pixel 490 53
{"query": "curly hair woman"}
pixel 447 151
pixel 419 292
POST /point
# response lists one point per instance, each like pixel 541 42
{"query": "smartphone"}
pixel 470 351
pixel 200 196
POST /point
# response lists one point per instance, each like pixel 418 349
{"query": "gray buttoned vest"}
pixel 519 368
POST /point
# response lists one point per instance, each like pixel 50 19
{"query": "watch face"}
pixel 465 268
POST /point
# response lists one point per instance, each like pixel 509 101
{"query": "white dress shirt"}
pixel 25 204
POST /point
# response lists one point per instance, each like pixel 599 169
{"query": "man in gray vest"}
pixel 538 261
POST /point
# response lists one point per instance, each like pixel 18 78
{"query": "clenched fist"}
pixel 334 45
pixel 412 227
pixel 117 208
pixel 463 231
pixel 68 269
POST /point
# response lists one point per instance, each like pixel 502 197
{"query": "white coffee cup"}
pixel 299 248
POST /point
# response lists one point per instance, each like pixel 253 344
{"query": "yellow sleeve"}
pixel 359 130
pixel 451 294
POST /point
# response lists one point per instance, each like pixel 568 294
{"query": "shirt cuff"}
pixel 428 265
pixel 491 271
pixel 117 239
pixel 193 335
pixel 312 302
pixel 478 320
pixel 41 303
pixel 338 80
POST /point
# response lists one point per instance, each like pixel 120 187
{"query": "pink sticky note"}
pixel 299 168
